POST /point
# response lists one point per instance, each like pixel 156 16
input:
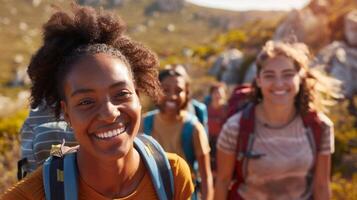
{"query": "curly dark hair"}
pixel 85 31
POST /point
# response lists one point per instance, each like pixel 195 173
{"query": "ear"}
pixel 64 108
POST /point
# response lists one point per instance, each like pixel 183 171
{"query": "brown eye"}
pixel 85 102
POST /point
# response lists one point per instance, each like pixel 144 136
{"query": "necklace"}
pixel 263 119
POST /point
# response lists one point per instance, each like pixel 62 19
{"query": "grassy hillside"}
pixel 21 22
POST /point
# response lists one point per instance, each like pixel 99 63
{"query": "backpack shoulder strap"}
pixel 156 162
pixel 187 138
pixel 148 122
pixel 60 177
pixel 312 121
pixel 200 111
pixel 246 129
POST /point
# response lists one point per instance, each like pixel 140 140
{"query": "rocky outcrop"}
pixel 308 27
pixel 340 61
pixel 226 68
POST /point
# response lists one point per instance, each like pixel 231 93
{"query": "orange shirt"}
pixel 31 188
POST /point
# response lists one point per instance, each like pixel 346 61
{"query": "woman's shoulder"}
pixel 233 121
pixel 182 176
pixel 31 187
pixel 177 163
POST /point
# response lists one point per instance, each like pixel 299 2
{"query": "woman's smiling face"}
pixel 279 81
pixel 102 106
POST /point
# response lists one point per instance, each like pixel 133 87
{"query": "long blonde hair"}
pixel 317 90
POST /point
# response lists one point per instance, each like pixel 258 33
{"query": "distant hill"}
pixel 165 32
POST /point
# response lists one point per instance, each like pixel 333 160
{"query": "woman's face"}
pixel 102 106
pixel 218 94
pixel 175 91
pixel 279 81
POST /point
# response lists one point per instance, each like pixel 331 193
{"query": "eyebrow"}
pixel 284 71
pixel 85 90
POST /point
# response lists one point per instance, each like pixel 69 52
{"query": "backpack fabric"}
pixel 39 132
pixel 60 174
pixel 245 142
pixel 200 111
pixel 239 98
pixel 186 135
pixel 186 139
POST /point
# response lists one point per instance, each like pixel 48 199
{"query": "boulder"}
pixel 340 61
pixel 350 28
pixel 226 68
pixel 308 28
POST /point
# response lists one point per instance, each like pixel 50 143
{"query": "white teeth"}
pixel 111 133
pixel 281 92
pixel 170 104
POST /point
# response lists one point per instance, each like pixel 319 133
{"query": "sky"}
pixel 243 5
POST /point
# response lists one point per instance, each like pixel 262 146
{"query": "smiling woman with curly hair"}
pixel 91 72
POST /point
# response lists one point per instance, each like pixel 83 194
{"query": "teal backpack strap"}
pixel 156 162
pixel 60 177
pixel 201 113
pixel 148 122
pixel 187 139
pixel 70 177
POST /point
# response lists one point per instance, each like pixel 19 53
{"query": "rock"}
pixel 140 28
pixel 89 2
pixel 23 26
pixel 340 61
pixel 21 78
pixel 18 58
pixel 308 27
pixel 170 28
pixel 226 68
pixel 36 3
pixel 350 28
pixel 170 5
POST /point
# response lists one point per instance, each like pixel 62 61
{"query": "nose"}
pixel 279 81
pixel 171 95
pixel 108 111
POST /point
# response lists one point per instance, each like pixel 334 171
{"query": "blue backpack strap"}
pixel 70 177
pixel 60 177
pixel 156 162
pixel 148 122
pixel 187 139
pixel 201 112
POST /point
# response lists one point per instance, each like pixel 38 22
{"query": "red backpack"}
pixel 239 101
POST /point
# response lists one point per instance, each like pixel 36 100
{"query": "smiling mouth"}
pixel 111 134
pixel 170 104
pixel 280 92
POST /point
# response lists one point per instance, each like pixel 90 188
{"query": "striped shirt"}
pixel 36 144
pixel 282 171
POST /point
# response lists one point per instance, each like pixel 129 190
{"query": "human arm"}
pixel 204 168
pixel 225 167
pixel 321 187
pixel 202 150
pixel 226 156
